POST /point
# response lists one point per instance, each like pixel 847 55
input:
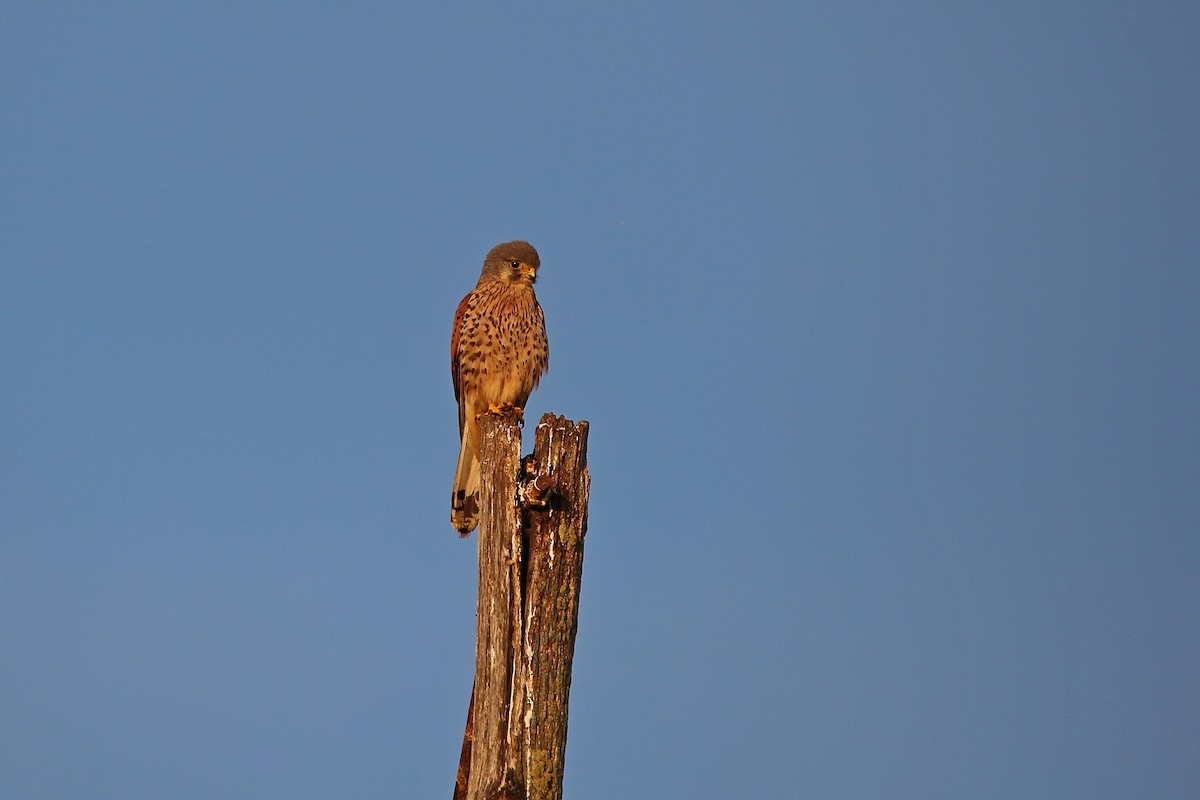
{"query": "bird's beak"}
pixel 531 273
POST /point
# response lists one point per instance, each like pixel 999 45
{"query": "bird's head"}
pixel 512 262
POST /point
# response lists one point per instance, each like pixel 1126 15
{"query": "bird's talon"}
pixel 507 409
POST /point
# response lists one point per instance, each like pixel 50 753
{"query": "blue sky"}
pixel 884 318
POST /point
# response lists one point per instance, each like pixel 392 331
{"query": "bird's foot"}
pixel 508 410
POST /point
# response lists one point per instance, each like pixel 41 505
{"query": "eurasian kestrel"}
pixel 498 352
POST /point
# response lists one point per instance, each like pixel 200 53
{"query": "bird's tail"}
pixel 464 498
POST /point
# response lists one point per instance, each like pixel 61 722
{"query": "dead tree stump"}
pixel 533 521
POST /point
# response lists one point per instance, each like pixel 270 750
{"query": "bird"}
pixel 498 354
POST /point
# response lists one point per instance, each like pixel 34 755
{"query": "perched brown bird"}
pixel 498 352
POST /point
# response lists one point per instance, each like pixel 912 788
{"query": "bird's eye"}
pixel 515 264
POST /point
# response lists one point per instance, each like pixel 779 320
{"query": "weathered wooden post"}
pixel 533 522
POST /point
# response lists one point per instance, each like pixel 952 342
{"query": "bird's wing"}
pixel 455 366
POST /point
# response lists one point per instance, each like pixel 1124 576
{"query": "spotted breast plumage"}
pixel 498 353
